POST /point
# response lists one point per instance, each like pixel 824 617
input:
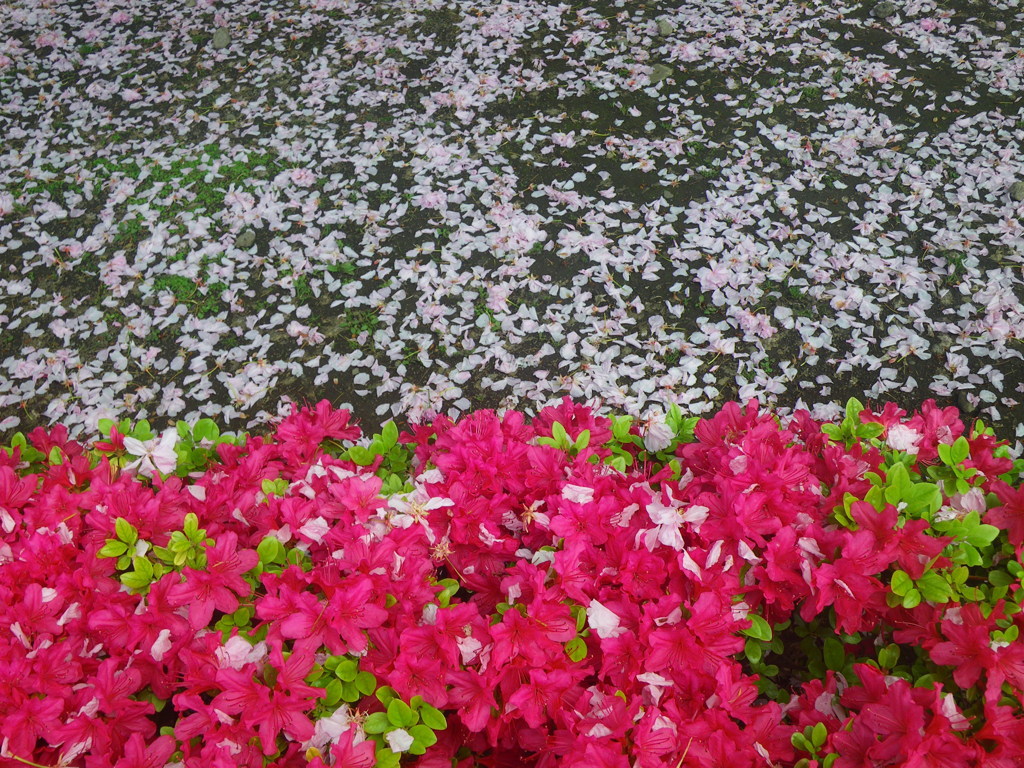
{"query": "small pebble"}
pixel 883 10
pixel 221 38
pixel 665 27
pixel 659 72
pixel 963 403
pixel 245 239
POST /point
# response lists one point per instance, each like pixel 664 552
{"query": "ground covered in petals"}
pixel 421 207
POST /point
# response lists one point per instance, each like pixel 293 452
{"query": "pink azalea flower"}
pixel 217 586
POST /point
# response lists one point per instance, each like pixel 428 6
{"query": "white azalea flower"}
pixel 153 454
pixel 903 438
pixel 659 436
pixel 603 621
pixel 399 740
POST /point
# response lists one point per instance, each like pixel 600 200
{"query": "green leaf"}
pixel 350 693
pixel 141 577
pixel 982 535
pixel 361 456
pixel 125 531
pixel 674 417
pixel 205 429
pixel 819 735
pixel 959 450
pixel 423 735
pixel 401 714
pixel 113 548
pixel 853 409
pixel 970 555
pixel 433 718
pixel 901 583
pixel 270 550
pixel 450 587
pixel 923 499
pixel 898 484
pixel 191 526
pixel 753 650
pixel 143 567
pixel 242 615
pixel 925 681
pixel 376 723
pixel 835 654
pixel 385 694
pixel 333 690
pixel 1000 579
pixel 347 670
pixel 620 427
pixel 870 431
pixel 576 649
pixel 944 454
pixel 276 487
pixel 583 440
pixel 579 613
pixel 912 599
pixel 889 656
pixel 365 683
pixel 389 435
pixel 799 741
pixel 385 758
pixel 560 435
pixel 688 429
pixel 934 588
pixel 833 432
pixel 760 629
pixel 105 425
pixel 134 581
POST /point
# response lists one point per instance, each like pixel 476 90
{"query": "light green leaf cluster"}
pixel 417 718
pixel 342 681
pixel 390 458
pixel 185 549
pixel 812 740
pixel 851 428
pixel 560 439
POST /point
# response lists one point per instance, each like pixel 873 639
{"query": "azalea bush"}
pixel 578 590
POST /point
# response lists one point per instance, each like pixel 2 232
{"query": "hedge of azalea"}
pixel 575 590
